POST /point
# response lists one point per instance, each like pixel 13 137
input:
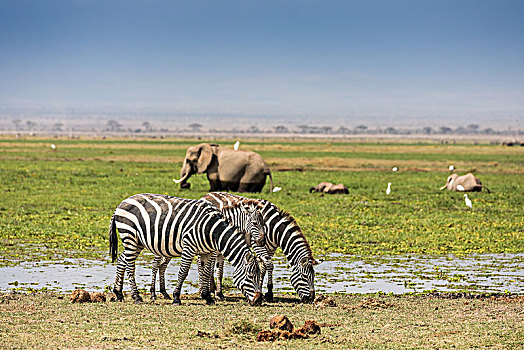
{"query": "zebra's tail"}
pixel 113 239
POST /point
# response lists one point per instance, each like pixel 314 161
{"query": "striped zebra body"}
pixel 281 230
pixel 169 227
pixel 245 216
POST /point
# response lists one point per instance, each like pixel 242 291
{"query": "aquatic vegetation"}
pixel 57 204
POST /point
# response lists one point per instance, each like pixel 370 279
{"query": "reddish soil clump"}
pixel 281 322
pixel 79 296
pixel 266 335
pixel 98 297
pixel 285 330
pixel 310 327
pixel 322 301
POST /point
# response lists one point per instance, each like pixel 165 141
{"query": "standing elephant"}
pixel 227 169
pixel 464 183
pixel 328 187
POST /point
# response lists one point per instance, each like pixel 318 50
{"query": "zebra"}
pixel 281 230
pixel 246 216
pixel 170 226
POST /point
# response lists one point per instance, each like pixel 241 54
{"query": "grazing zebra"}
pixel 169 226
pixel 246 216
pixel 281 230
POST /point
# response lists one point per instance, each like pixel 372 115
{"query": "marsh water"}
pixel 337 273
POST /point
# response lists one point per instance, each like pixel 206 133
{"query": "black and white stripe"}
pixel 245 216
pixel 281 230
pixel 169 227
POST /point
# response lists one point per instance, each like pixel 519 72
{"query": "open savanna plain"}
pixel 56 204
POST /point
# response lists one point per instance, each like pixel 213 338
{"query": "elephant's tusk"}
pixel 443 187
pixel 182 179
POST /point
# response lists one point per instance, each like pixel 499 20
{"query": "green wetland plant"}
pixel 57 203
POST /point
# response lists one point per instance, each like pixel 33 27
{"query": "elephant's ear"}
pixel 204 159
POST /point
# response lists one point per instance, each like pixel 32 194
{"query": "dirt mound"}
pixel 281 322
pixel 322 301
pixel 310 327
pixel 284 330
pixel 80 296
pixel 98 297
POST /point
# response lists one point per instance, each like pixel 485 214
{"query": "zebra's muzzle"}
pixel 257 299
pixel 309 299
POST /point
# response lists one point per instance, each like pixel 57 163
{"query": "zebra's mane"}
pixel 290 220
pixel 248 201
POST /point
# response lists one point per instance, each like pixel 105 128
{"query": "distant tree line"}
pixel 114 126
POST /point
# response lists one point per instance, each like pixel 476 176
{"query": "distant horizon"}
pixel 84 119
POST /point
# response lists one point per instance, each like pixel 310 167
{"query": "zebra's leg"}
pixel 203 281
pixel 130 260
pixel 200 269
pixel 119 278
pixel 156 263
pixel 162 277
pixel 206 262
pixel 268 265
pixel 220 275
pixel 188 253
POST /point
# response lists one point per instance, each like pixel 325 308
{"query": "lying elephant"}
pixel 227 169
pixel 464 183
pixel 328 187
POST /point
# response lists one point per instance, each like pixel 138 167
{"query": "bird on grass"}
pixel 394 168
pixel 468 201
pixel 388 190
pixel 277 189
pixel 236 145
pixel 451 167
pixel 53 146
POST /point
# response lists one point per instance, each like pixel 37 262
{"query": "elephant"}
pixel 464 183
pixel 328 187
pixel 227 169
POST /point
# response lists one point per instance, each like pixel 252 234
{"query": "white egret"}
pixel 236 145
pixel 388 190
pixel 394 169
pixel 468 201
pixel 276 189
pixel 53 146
pixel 451 167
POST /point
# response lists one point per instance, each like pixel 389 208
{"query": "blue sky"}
pixel 389 62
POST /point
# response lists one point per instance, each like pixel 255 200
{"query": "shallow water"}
pixel 337 273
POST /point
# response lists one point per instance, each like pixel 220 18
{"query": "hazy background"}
pixel 221 63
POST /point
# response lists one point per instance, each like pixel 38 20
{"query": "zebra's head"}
pixel 303 278
pixel 247 217
pixel 255 225
pixel 246 277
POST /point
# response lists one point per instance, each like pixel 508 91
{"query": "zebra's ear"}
pixel 249 208
pixel 315 262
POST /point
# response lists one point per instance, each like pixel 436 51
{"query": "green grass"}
pixel 49 321
pixel 58 203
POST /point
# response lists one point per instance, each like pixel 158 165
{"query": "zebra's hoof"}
pixel 177 302
pixel 210 302
pixel 220 296
pixel 166 296
pixel 268 297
